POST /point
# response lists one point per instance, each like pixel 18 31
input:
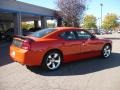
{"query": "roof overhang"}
pixel 24 8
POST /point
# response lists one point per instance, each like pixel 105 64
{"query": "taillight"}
pixel 26 44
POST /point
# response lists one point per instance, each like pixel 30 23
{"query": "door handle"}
pixel 83 43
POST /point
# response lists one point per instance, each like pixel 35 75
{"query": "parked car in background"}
pixel 51 47
pixel 2 36
pixel 34 29
pixel 97 31
pixel 26 32
pixel 92 31
pixel 118 31
pixel 9 34
pixel 102 31
pixel 108 31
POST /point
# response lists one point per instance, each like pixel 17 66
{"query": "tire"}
pixel 52 60
pixel 106 51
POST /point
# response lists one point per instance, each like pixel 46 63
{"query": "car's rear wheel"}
pixel 52 60
pixel 106 51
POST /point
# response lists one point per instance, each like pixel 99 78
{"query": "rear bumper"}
pixel 25 57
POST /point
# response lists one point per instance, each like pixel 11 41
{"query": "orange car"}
pixel 51 47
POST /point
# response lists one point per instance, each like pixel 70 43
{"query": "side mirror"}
pixel 93 37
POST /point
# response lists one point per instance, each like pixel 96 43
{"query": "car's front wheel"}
pixel 106 51
pixel 52 60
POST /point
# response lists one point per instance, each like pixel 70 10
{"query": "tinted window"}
pixel 83 35
pixel 69 35
pixel 42 33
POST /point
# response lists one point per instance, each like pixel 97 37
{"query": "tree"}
pixel 110 21
pixel 89 22
pixel 27 26
pixel 71 11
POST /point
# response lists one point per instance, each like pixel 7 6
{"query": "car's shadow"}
pixel 82 67
pixel 4 53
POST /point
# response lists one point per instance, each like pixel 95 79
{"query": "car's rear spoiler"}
pixel 19 36
pixel 23 37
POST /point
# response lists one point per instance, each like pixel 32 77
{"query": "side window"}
pixel 83 35
pixel 69 35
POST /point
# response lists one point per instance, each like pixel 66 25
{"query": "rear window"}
pixel 42 32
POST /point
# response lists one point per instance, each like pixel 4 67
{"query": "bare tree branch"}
pixel 71 11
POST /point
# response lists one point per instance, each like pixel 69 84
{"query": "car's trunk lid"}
pixel 22 42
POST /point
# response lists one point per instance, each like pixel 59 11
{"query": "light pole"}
pixel 101 13
pixel 99 22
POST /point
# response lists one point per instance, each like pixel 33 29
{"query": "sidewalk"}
pixel 114 36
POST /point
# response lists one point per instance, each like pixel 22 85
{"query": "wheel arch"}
pixel 102 51
pixel 43 65
pixel 108 44
pixel 54 49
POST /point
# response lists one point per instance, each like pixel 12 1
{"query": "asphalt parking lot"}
pixel 91 74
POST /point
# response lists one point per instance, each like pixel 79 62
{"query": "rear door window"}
pixel 68 35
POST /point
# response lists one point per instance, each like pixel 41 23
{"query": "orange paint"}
pixel 71 49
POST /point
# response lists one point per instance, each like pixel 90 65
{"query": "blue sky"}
pixel 109 6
